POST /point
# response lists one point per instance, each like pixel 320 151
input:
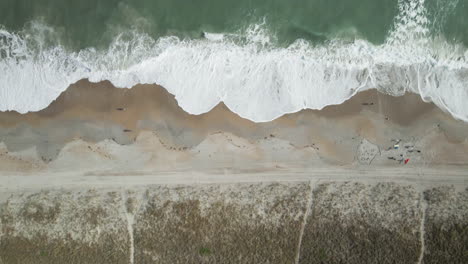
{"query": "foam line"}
pixel 249 73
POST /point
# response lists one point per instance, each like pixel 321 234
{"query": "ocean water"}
pixel 262 58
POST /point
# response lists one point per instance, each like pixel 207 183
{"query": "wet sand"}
pixel 91 123
pixel 108 175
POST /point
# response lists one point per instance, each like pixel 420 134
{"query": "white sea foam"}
pixel 255 79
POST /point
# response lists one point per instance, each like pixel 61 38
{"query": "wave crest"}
pixel 252 76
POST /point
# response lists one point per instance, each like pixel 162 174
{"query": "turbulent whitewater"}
pixel 251 69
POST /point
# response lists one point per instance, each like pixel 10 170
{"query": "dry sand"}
pixel 108 175
pixel 153 133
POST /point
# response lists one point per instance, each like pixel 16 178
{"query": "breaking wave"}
pixel 253 76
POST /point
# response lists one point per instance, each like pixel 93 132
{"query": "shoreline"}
pixel 104 127
pixel 127 176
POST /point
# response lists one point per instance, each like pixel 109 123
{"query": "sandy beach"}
pixel 143 129
pixel 233 132
pixel 109 175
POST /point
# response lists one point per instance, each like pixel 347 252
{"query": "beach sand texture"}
pixel 109 175
pixel 143 129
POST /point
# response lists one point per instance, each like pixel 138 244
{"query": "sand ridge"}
pixel 105 127
pixel 126 176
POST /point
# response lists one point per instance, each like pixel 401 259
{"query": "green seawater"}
pixel 262 58
pixel 94 23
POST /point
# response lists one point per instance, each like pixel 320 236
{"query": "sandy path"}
pixel 423 177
